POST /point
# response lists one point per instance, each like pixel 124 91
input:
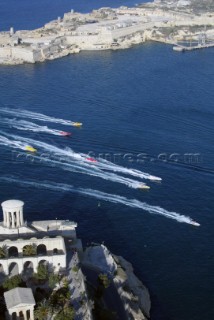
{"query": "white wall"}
pixel 57 260
pixel 26 54
pixel 50 243
pixel 82 40
pixel 5 52
pixel 22 54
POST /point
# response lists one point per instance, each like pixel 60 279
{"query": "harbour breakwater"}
pixel 103 29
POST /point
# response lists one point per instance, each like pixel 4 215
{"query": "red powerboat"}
pixel 91 159
pixel 65 134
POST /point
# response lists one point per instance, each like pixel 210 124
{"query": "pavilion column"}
pixel 13 219
pixel 17 219
pixel 25 314
pixel 21 222
pixel 5 218
pixel 31 314
pixel 8 219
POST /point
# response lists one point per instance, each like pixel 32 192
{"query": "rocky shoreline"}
pixel 131 291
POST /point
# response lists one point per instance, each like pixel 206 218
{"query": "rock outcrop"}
pixel 133 293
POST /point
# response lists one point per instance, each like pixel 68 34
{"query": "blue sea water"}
pixel 145 100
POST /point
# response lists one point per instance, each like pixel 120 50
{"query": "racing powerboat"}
pixel 91 159
pixel 143 186
pixel 196 224
pixel 153 178
pixel 30 149
pixel 65 134
pixel 76 124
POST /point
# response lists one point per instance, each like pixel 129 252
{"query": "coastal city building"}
pixel 45 236
pixel 20 304
pixel 52 245
pixel 107 28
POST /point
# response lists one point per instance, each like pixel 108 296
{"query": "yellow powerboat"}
pixel 77 124
pixel 30 149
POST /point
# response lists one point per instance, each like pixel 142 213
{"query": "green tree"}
pixel 104 280
pixel 42 272
pixel 65 314
pixel 53 280
pixel 60 298
pixel 13 282
pixel 43 311
pixel 29 250
pixel 75 269
pixel 65 282
pixel 3 252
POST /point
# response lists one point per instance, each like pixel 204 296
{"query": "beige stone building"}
pixel 46 237
pixel 20 304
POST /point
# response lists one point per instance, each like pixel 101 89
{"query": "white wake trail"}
pixel 101 163
pixel 65 153
pixel 107 165
pixel 29 126
pixel 133 203
pixel 21 113
pixel 76 166
pixel 104 164
pixel 69 156
pixel 12 143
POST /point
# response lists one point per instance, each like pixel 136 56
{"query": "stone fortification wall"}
pixel 37 41
pixel 123 32
pixel 82 41
pixel 26 54
pixel 200 21
pixel 37 55
pixel 5 52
